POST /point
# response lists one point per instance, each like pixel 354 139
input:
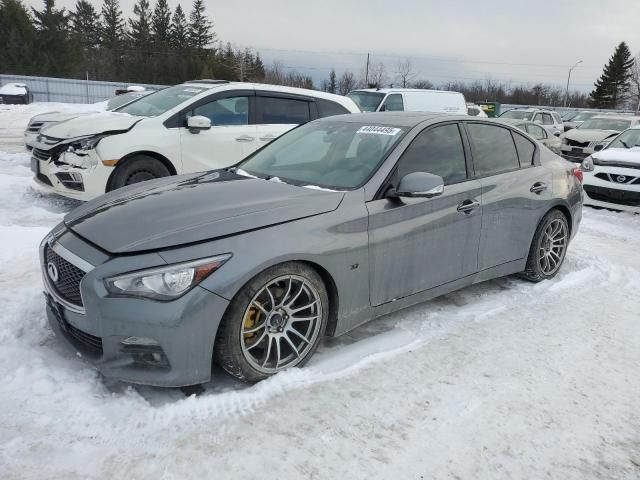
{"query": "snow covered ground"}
pixel 503 380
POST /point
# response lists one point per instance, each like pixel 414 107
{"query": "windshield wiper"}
pixel 626 145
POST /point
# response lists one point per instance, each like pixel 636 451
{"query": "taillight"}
pixel 578 174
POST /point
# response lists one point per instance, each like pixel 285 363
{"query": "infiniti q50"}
pixel 339 221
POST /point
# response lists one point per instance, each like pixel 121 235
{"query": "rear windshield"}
pixel 605 124
pixel 517 114
pixel 160 102
pixel 367 101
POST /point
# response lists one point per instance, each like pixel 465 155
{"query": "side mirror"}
pixel 197 123
pixel 420 184
pixel 557 134
pixel 597 148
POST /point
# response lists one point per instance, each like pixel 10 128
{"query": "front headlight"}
pixel 564 140
pixel 165 283
pixel 587 164
pixel 84 144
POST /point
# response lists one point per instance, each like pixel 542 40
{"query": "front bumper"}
pixel 575 154
pixel 616 188
pixel 183 330
pixel 61 178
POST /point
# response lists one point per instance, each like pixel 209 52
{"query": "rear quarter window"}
pixel 525 148
pixel 327 108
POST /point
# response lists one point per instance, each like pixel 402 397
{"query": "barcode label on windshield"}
pixel 379 130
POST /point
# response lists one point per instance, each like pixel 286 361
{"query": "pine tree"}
pixel 112 30
pixel 85 23
pixel 18 38
pixel 52 43
pixel 332 85
pixel 200 27
pixel 161 22
pixel 140 26
pixel 179 29
pixel 612 87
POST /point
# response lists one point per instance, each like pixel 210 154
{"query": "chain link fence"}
pixel 49 89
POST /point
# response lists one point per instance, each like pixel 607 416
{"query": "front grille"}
pixel 41 154
pixel 619 179
pixel 575 156
pixel 44 179
pixel 35 127
pixel 612 195
pixel 69 277
pixel 575 143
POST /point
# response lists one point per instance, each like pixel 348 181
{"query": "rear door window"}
pixel 536 132
pixel 437 150
pixel 276 110
pixel 547 119
pixel 494 151
pixel 327 108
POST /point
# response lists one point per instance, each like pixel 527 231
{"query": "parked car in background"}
pixel 475 110
pixel 536 131
pixel 593 135
pixel 15 93
pixel 196 126
pixel 567 116
pixel 612 176
pixel 578 119
pixel 43 120
pixel 549 119
pixel 367 214
pixel 409 100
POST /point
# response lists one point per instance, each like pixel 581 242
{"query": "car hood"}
pixel 174 211
pixel 580 135
pixel 618 156
pixel 92 124
pixel 59 116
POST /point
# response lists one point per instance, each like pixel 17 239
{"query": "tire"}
pixel 548 247
pixel 255 338
pixel 138 169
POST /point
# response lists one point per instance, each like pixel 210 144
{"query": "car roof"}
pixel 531 109
pixel 615 117
pixel 514 121
pixel 401 90
pixel 224 85
pixel 399 119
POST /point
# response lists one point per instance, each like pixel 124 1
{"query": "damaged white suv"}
pixel 196 126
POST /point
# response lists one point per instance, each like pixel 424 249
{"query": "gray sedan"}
pixel 339 221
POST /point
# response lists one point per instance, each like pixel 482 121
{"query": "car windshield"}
pixel 567 116
pixel 123 99
pixel 367 101
pixel 329 154
pixel 627 139
pixel 605 124
pixel 160 102
pixel 582 116
pixel 517 114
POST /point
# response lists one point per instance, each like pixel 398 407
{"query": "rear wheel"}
pixel 275 322
pixel 548 248
pixel 138 169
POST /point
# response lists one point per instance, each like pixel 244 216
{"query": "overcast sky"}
pixel 508 40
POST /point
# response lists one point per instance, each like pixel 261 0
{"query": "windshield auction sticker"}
pixel 377 130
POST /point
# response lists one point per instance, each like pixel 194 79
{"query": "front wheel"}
pixel 275 322
pixel 138 169
pixel 548 248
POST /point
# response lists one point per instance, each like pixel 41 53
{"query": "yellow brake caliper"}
pixel 251 319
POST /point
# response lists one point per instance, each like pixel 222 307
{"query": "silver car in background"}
pixel 536 131
pixel 337 222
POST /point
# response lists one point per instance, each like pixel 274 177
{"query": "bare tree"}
pixel 424 84
pixel 405 73
pixel 346 83
pixel 377 75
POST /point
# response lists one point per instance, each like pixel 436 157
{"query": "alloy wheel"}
pixel 553 245
pixel 281 324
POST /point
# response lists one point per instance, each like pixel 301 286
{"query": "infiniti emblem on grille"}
pixel 621 179
pixel 52 271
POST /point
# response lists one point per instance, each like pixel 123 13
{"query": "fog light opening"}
pixel 144 352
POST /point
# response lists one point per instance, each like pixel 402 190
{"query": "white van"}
pixel 409 100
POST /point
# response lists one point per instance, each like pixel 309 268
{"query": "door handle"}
pixel 538 187
pixel 268 138
pixel 468 206
pixel 244 138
